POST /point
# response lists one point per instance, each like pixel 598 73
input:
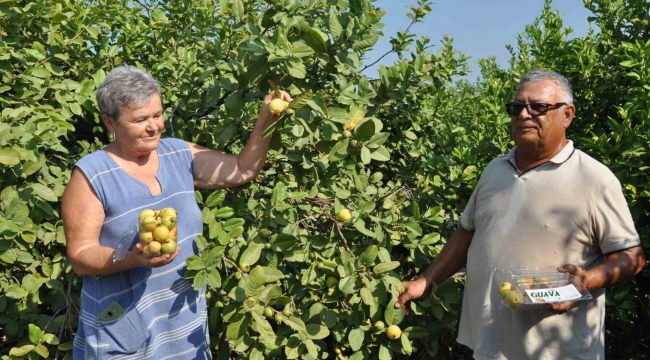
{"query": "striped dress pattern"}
pixel 164 317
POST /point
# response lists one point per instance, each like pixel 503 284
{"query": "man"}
pixel 543 204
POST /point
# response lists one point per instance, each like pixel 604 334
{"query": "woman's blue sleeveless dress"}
pixel 164 316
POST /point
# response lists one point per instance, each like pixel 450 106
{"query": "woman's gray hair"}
pixel 541 75
pixel 125 87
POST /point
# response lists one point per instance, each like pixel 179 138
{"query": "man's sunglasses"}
pixel 534 109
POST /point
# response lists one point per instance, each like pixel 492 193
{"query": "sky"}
pixel 480 28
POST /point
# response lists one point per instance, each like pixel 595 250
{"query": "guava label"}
pixel 564 293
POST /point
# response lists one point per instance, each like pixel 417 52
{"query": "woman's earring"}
pixel 113 136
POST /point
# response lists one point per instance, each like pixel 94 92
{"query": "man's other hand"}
pixel 561 308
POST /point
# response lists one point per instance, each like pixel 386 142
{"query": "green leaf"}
pixel 417 332
pixel 301 100
pixel 283 242
pixel 355 338
pixel 234 105
pixel 365 131
pixel 263 328
pixel 347 285
pixel 369 255
pixel 44 192
pixel 317 331
pixel 224 212
pixel 279 193
pixel 21 351
pixel 309 275
pixel 87 88
pixel 311 348
pixel 215 199
pixel 271 128
pixel 381 154
pixel 238 326
pixel 335 26
pixel 238 11
pixel 377 140
pixel 270 294
pixel 93 31
pixel 360 225
pixel 238 294
pixel 30 167
pixel 256 354
pixel 40 72
pixel 194 263
pixel 365 155
pixel 406 345
pixel 338 148
pixel 35 334
pixel 627 305
pixel 42 351
pixel 385 267
pixel 9 157
pixel 251 254
pixel 75 108
pixel 296 68
pixel 430 239
pixel 410 135
pixel 291 349
pixel 255 46
pixel 233 224
pixel 315 41
pixel 200 280
pixel 8 194
pixel 367 42
pixel 393 316
pixel 360 181
pixel 51 339
pixel 15 292
pixel 384 353
pixel 261 275
pixel 66 346
pixel 295 323
pixel 414 227
pixel 213 278
pixel 366 296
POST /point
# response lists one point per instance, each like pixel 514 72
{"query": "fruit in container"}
pixel 513 299
pixel 504 288
pixel 158 231
pixel 169 247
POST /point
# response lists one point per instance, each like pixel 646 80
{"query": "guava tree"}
pixel 303 263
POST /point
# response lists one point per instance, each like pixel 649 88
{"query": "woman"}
pixel 139 306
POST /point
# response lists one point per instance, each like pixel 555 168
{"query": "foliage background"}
pixel 428 132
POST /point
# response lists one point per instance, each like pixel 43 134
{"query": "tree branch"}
pixel 390 51
pixel 345 241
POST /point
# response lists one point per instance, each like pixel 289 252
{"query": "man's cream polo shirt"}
pixel 570 209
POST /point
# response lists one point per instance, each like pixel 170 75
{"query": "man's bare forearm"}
pixel 618 266
pixel 451 259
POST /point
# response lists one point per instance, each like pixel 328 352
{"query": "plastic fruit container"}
pixel 157 231
pixel 532 288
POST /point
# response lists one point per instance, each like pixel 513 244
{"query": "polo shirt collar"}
pixel 559 158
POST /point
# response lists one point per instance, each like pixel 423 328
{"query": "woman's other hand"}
pixel 266 112
pixel 139 259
